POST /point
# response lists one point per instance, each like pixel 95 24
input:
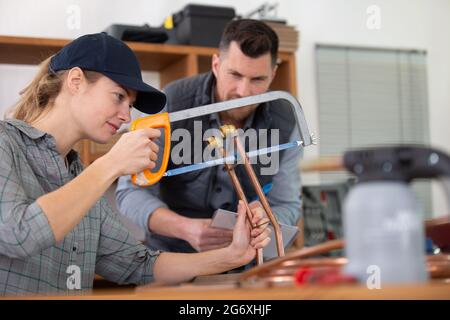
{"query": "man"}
pixel 177 211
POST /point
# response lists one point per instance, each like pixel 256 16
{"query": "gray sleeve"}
pixel 24 227
pixel 121 258
pixel 284 197
pixel 137 203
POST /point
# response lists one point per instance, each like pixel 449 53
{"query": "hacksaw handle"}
pixel 157 121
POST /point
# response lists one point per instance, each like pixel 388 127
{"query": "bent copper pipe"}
pixel 323 164
pixel 283 269
pixel 286 274
pixel 239 190
pixel 262 198
pixel 293 256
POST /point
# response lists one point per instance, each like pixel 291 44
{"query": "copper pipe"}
pixel 299 254
pixel 444 220
pixel 436 270
pixel 239 190
pixel 241 195
pixel 261 195
pixel 269 274
pixel 323 165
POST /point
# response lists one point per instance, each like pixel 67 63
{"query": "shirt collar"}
pixel 35 134
pixel 26 128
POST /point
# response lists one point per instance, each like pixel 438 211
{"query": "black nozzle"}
pixel 397 163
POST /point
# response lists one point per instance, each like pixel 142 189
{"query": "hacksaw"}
pixel 163 120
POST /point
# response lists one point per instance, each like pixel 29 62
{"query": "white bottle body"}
pixel 383 229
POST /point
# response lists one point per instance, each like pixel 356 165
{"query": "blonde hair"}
pixel 39 96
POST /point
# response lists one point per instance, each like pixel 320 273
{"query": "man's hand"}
pixel 202 237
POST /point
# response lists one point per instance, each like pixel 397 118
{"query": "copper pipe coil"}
pixel 439 270
pixel 439 258
pixel 436 270
pixel 306 263
pixel 323 164
pixel 316 262
pixel 262 198
pixel 284 269
pixel 278 280
pixel 293 256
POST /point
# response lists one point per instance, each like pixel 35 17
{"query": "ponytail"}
pixel 39 96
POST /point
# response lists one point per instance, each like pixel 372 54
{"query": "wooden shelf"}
pixel 172 62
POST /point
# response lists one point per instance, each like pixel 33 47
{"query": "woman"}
pixel 53 219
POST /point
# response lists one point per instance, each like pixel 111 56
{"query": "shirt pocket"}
pixel 74 253
pixel 77 250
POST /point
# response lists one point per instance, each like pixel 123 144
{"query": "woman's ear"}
pixel 75 80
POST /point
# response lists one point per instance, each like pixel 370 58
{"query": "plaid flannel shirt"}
pixel 31 261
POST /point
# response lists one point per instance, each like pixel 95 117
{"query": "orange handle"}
pixel 157 121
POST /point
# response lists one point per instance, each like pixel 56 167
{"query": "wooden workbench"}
pixel 224 287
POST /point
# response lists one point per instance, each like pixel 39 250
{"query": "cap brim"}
pixel 149 100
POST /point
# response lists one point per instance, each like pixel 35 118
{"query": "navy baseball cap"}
pixel 113 58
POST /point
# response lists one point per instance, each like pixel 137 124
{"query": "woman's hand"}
pixel 173 267
pixel 134 152
pixel 246 242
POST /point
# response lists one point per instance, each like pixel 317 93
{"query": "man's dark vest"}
pixel 194 92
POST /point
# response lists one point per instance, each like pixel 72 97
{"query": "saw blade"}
pixel 234 159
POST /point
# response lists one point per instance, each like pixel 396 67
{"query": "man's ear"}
pixel 215 64
pixel 274 72
pixel 75 79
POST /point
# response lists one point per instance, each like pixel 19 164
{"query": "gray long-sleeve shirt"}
pixel 204 191
pixel 139 203
pixel 31 261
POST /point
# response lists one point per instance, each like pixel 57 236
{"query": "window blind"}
pixel 370 97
